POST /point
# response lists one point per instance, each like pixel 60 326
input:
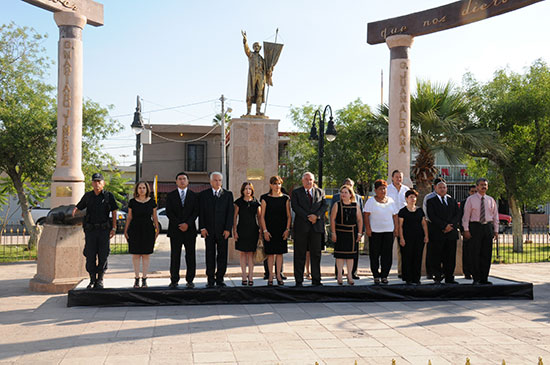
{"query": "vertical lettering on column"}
pixel 403 109
pixel 65 105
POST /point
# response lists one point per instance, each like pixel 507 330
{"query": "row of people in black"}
pixel 270 219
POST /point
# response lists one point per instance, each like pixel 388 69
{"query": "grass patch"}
pixel 14 253
pixel 119 248
pixel 531 253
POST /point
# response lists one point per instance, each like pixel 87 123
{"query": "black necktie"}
pixel 309 197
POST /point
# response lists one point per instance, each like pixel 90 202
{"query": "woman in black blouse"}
pixel 246 230
pixel 413 231
pixel 141 230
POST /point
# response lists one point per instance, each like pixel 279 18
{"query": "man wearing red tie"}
pixel 480 223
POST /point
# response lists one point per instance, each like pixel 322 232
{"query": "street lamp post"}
pixel 331 135
pixel 137 127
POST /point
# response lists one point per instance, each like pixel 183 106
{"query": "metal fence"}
pixel 14 244
pixel 534 246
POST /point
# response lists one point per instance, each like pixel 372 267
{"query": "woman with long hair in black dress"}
pixel 346 225
pixel 246 230
pixel 141 230
pixel 275 220
pixel 413 231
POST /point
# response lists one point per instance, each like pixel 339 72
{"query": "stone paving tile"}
pixel 88 360
pixel 255 355
pixel 346 361
pixel 134 360
pixel 335 353
pixel 211 347
pixel 374 351
pixel 385 360
pixel 326 344
pixel 295 354
pixel 215 357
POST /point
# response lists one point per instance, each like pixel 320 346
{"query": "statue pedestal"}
pixel 61 264
pixel 253 156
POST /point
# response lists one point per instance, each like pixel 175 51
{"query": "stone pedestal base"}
pixel 253 156
pixel 61 264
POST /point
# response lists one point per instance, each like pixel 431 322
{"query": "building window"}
pixel 196 157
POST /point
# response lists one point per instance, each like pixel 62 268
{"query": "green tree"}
pixel 27 115
pixel 116 184
pixel 357 152
pixel 516 107
pixel 301 153
pixel 28 121
pixel 359 149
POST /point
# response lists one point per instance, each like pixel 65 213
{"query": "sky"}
pixel 180 56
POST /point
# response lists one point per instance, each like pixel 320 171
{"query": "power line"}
pixel 163 109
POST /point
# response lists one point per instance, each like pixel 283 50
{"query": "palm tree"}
pixel 440 122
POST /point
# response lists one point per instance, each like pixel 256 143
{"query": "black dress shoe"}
pixel 384 281
pixel 355 277
pixel 317 283
pixel 475 282
pixel 451 282
pixel 299 285
pixel 221 285
pixel 190 285
pixel 210 285
pixel 173 286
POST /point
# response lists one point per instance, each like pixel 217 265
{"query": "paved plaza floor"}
pixel 41 329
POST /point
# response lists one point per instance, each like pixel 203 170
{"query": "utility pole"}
pixel 224 162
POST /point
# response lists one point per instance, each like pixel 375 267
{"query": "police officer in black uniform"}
pixel 98 229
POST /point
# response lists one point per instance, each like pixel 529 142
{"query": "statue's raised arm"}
pixel 245 43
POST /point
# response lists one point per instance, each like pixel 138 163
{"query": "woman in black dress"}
pixel 246 230
pixel 275 219
pixel 141 230
pixel 413 232
pixel 346 225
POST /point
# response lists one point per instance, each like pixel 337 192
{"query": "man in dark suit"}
pixel 215 223
pixel 182 209
pixel 309 204
pixel 444 215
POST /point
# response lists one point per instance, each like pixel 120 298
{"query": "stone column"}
pixel 61 265
pixel 253 156
pixel 68 180
pixel 399 131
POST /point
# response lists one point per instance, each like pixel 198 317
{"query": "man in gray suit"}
pixel 309 204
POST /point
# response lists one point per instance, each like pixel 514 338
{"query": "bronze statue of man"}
pixel 258 76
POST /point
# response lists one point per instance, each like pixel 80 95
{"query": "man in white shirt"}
pixel 396 190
